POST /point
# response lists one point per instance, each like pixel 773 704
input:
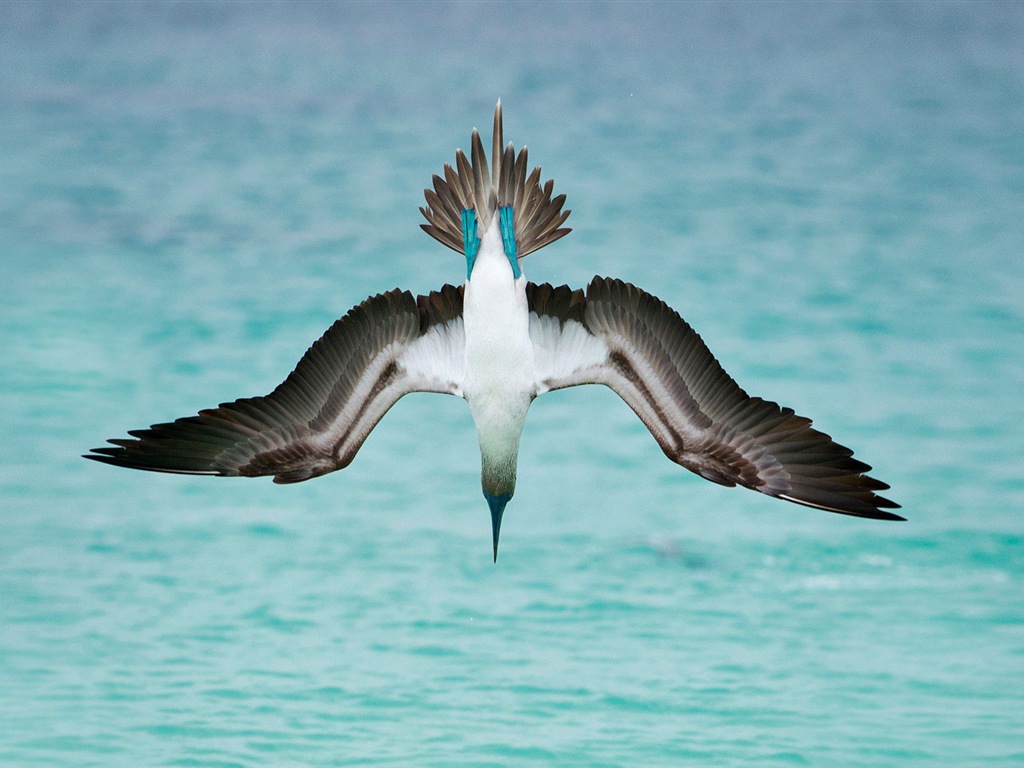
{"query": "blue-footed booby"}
pixel 500 341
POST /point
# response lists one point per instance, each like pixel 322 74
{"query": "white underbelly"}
pixel 498 383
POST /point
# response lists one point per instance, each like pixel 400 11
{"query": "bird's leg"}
pixel 470 239
pixel 506 221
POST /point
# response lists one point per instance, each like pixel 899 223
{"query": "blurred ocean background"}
pixel 832 194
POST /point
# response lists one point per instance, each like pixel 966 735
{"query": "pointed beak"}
pixel 497 505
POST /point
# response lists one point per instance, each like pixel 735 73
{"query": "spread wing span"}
pixel 618 335
pixel 317 419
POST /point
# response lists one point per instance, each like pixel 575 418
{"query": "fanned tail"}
pixel 538 217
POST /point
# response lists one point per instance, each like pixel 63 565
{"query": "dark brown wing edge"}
pixel 749 441
pixel 274 435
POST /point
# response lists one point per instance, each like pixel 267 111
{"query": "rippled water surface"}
pixel 831 194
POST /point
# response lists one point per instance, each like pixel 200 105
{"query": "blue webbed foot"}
pixel 506 221
pixel 470 239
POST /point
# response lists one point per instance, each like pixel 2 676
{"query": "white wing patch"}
pixel 564 354
pixel 436 362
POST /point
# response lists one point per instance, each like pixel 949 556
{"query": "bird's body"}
pixel 499 381
pixel 500 341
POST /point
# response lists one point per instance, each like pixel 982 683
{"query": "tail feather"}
pixel 497 143
pixel 538 217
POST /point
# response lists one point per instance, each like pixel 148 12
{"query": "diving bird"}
pixel 499 341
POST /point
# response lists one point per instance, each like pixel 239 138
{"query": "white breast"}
pixel 499 381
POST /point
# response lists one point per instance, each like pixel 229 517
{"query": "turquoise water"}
pixel 831 194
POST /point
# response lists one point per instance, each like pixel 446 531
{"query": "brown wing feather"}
pixel 318 418
pixel 698 414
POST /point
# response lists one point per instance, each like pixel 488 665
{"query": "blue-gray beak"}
pixel 497 505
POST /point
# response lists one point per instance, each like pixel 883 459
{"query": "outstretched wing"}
pixel 631 341
pixel 317 419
